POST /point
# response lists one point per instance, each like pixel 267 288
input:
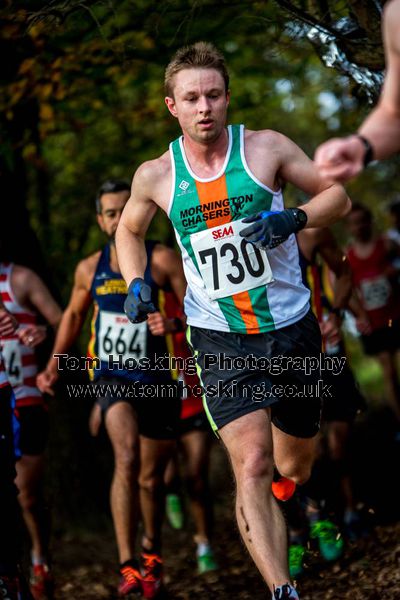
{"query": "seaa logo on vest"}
pixel 222 232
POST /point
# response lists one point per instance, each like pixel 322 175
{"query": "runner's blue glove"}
pixel 269 229
pixel 138 302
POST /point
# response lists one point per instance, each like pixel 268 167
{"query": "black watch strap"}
pixel 369 151
pixel 300 217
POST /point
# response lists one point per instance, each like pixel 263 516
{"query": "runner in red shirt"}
pixel 375 279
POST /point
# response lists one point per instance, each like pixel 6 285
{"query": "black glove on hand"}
pixel 269 229
pixel 138 302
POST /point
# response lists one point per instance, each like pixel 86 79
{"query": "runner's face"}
pixel 359 225
pixel 200 103
pixel 112 206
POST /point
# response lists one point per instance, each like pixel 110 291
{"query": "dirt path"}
pixel 85 564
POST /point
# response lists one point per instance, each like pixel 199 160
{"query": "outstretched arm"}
pixel 382 126
pixel 343 158
pixel 329 201
pixel 70 325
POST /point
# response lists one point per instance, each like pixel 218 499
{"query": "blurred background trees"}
pixel 81 97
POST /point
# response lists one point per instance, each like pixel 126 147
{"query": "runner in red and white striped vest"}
pixel 20 360
pixel 24 295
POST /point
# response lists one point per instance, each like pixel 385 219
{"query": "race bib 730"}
pixel 228 263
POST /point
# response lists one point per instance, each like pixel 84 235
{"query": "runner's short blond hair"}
pixel 201 55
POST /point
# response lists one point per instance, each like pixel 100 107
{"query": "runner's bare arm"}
pixel 33 293
pixel 343 158
pixel 382 126
pixel 329 202
pixel 71 321
pixel 134 222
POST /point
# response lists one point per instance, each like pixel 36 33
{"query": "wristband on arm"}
pixel 369 151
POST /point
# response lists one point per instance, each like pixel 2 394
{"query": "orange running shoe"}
pixel 152 574
pixel 283 488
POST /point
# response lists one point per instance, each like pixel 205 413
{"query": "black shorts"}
pixel 34 429
pixel 197 422
pixel 346 399
pixel 386 339
pixel 158 415
pixel 234 390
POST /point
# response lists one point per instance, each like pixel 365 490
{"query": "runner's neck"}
pixel 206 160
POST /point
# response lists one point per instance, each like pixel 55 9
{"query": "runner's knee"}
pixel 256 465
pixel 27 499
pixel 126 458
pixel 152 484
pixel 297 471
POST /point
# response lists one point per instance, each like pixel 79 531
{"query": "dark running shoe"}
pixel 130 581
pixel 285 592
pixel 152 574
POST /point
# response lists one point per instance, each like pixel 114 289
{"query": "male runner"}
pixel 193 442
pixel 379 136
pixel 24 295
pixel 99 283
pixel 376 281
pixel 320 256
pixel 9 551
pixel 245 295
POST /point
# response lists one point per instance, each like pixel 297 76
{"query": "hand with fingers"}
pixel 32 335
pixel 46 380
pixel 8 323
pixel 268 229
pixel 341 159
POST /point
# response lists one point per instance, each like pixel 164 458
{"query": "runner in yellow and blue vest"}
pixel 245 304
pixel 134 394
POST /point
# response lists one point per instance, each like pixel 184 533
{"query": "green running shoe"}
pixel 329 539
pixel 206 562
pixel 174 511
pixel 296 560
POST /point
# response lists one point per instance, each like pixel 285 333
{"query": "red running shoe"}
pixel 152 575
pixel 130 582
pixel 283 488
pixel 41 582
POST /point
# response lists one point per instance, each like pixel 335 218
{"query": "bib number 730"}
pixel 229 264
